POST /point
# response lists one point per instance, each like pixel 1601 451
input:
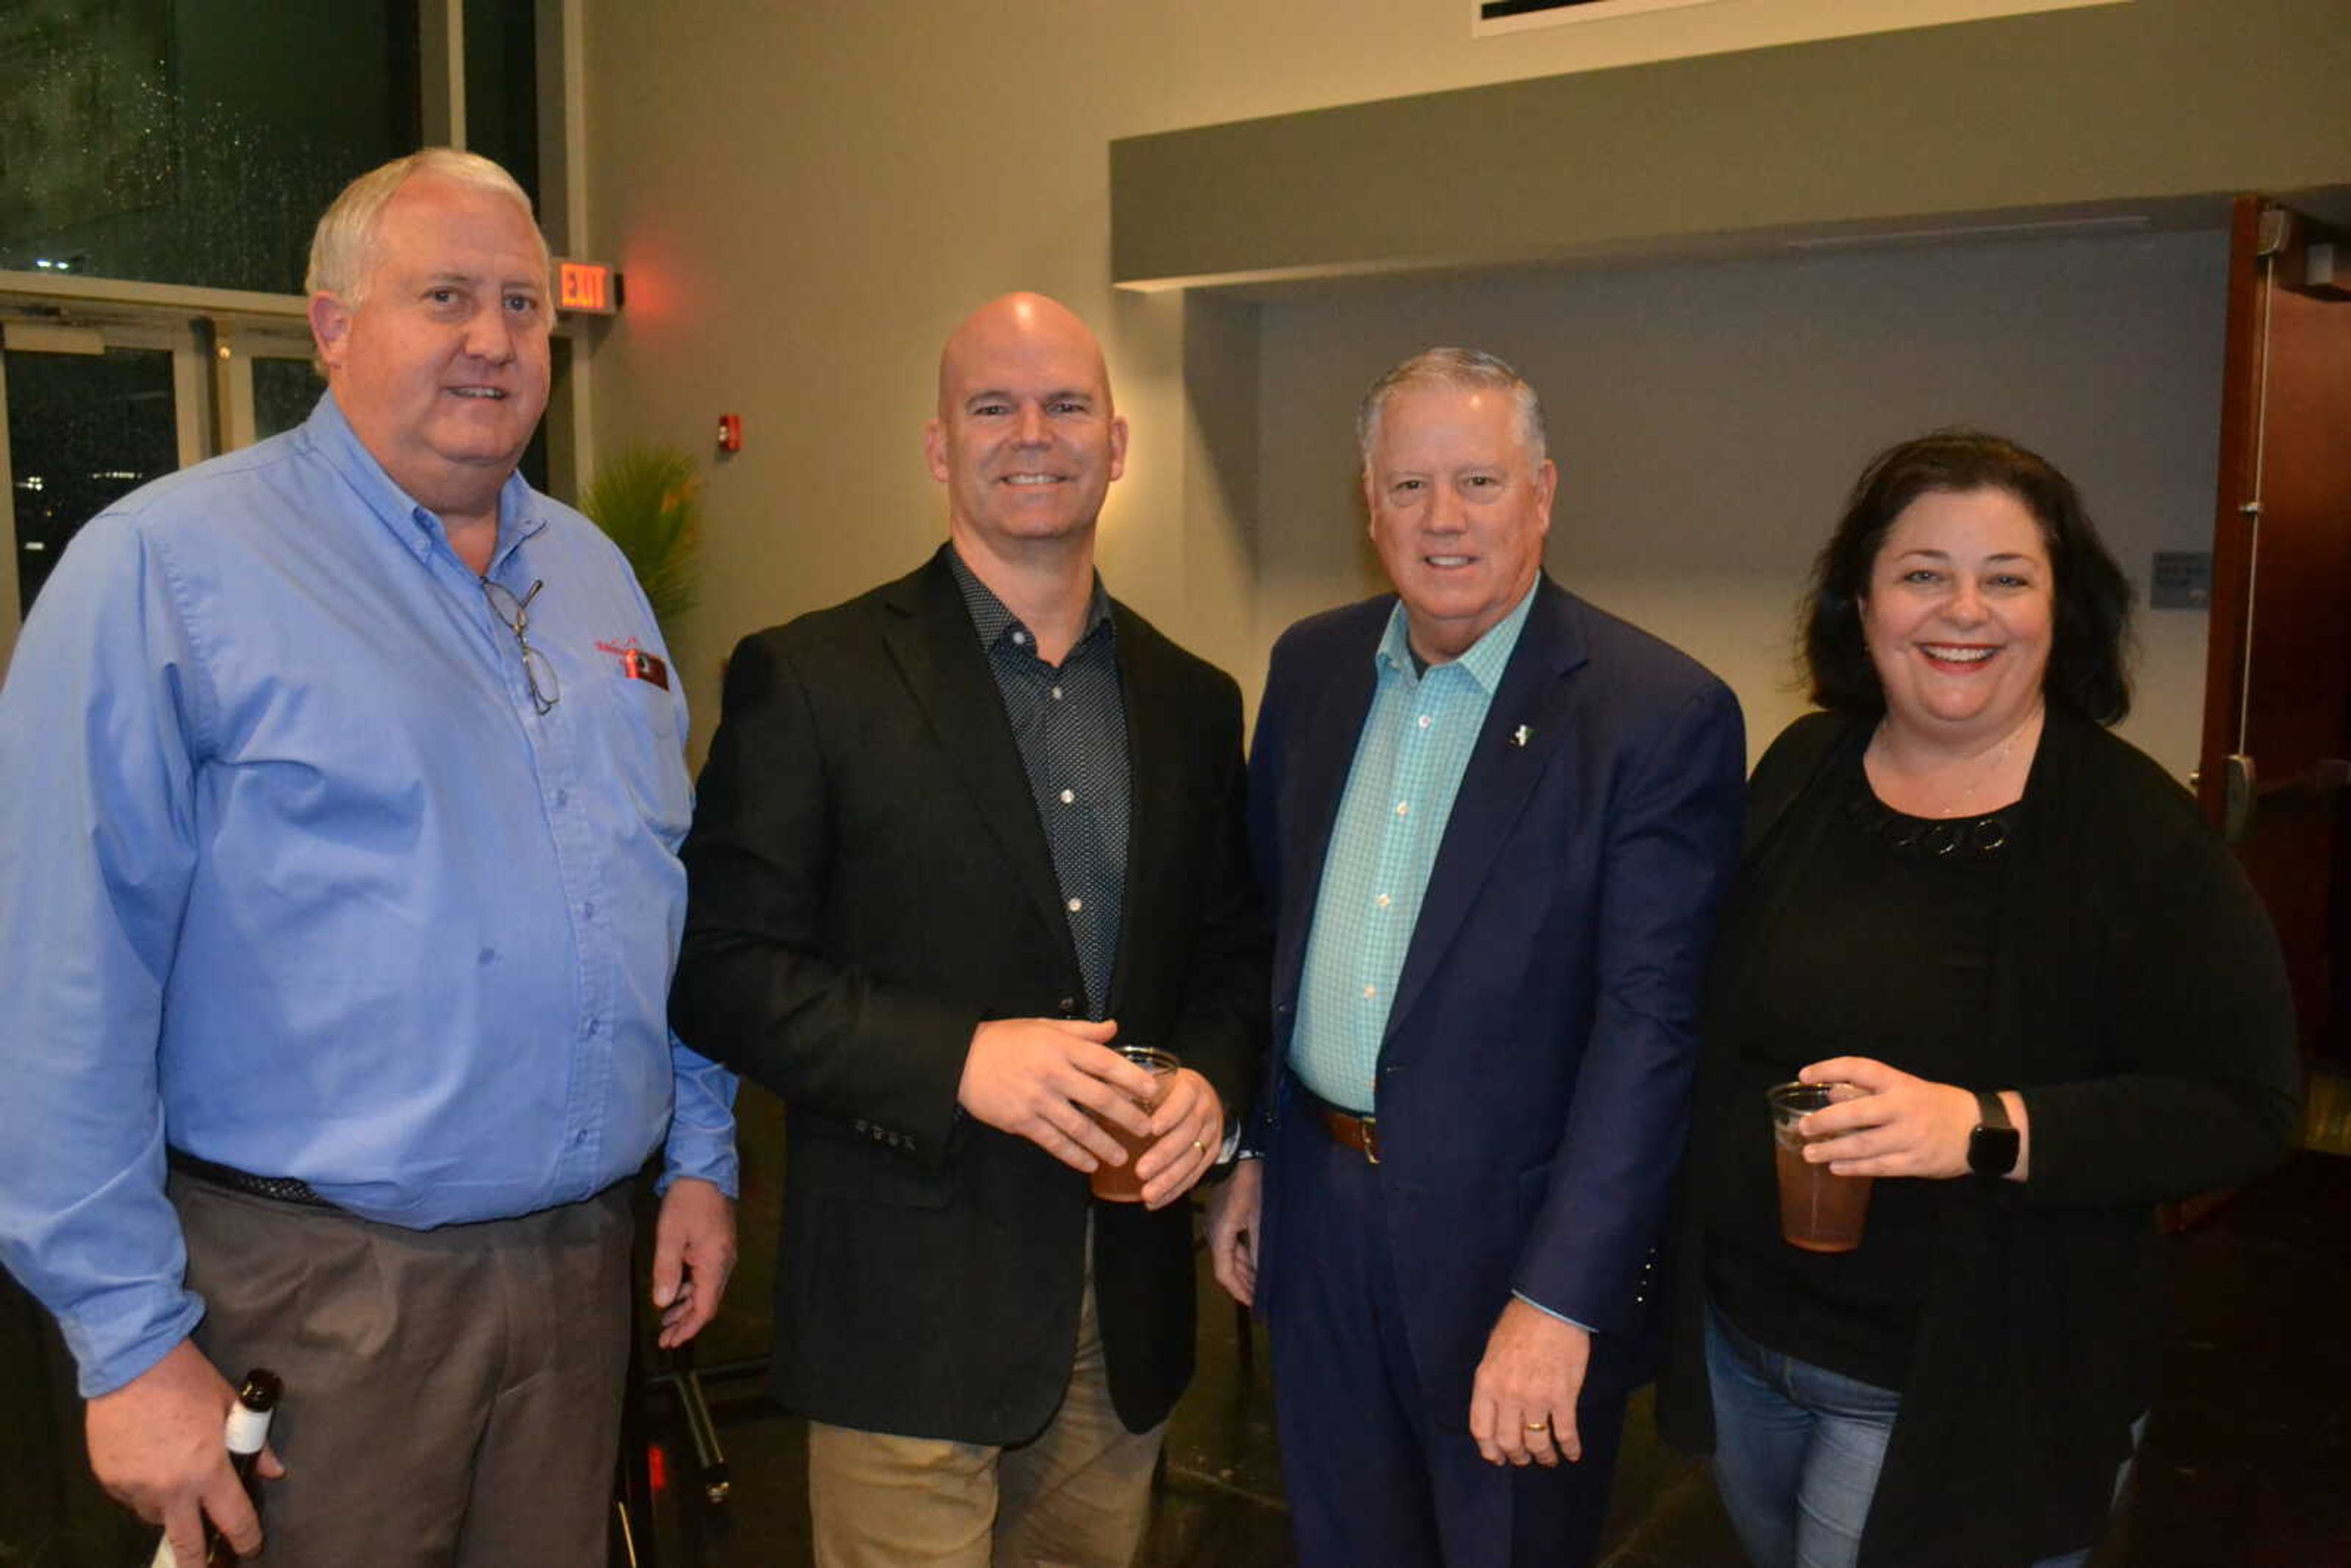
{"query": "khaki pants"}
pixel 1078 1493
pixel 452 1396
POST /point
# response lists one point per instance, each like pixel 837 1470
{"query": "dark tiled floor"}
pixel 2248 1459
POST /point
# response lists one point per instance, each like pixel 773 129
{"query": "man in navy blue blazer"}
pixel 1494 823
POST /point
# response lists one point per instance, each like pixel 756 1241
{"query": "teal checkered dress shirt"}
pixel 1413 749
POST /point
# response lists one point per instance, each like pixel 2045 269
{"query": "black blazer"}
pixel 870 881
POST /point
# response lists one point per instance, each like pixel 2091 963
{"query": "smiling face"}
pixel 1460 507
pixel 441 369
pixel 1026 439
pixel 1958 615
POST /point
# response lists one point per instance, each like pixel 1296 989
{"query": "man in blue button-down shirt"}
pixel 344 789
pixel 1492 822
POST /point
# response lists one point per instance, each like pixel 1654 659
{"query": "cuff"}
pixel 1546 1312
pixel 701 1141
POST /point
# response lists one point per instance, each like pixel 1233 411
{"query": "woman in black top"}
pixel 2059 998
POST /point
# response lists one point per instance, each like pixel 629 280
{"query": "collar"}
pixel 1483 661
pixel 522 511
pixel 994 622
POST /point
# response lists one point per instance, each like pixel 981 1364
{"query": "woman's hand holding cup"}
pixel 1900 1125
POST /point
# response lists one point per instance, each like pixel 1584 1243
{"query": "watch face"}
pixel 1992 1151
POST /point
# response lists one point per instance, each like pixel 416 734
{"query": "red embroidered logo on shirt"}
pixel 637 664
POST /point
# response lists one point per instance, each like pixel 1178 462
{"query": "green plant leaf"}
pixel 648 501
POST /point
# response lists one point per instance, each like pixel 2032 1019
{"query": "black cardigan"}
pixel 2140 1005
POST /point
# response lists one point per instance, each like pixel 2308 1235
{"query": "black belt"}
pixel 285 1189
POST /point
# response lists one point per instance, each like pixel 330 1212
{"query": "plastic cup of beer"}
pixel 1119 1184
pixel 1820 1211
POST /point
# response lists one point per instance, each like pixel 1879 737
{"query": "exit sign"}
pixel 587 285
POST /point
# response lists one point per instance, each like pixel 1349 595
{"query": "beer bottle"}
pixel 248 1430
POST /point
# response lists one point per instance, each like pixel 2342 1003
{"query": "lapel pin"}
pixel 1518 736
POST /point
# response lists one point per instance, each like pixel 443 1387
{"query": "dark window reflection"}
pixel 284 393
pixel 533 463
pixel 193 140
pixel 83 429
pixel 502 87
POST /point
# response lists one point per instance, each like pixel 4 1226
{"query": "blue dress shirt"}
pixel 295 877
pixel 1409 759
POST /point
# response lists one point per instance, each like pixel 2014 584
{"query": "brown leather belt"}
pixel 1349 1131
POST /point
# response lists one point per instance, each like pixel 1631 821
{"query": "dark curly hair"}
pixel 2086 670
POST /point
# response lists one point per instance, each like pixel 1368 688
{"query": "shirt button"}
pixel 1370 991
pixel 1404 808
pixel 589 910
pixel 1076 905
pixel 1057 693
pixel 1068 797
pixel 1068 1007
pixel 1424 721
pixel 1382 901
pixel 563 797
pixel 1020 639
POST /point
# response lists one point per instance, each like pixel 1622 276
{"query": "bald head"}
pixel 1024 328
pixel 1025 441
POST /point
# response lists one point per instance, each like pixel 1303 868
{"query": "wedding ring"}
pixel 1538 1426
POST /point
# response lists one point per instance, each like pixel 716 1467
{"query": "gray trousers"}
pixel 452 1396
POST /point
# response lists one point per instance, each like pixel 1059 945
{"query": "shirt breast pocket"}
pixel 644 738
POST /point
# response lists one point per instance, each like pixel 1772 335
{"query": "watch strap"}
pixel 1994 1145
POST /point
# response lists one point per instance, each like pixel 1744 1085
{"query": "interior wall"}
pixel 1709 420
pixel 804 199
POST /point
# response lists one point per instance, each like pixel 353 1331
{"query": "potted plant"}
pixel 648 501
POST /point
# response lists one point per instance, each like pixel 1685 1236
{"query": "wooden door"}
pixel 2277 691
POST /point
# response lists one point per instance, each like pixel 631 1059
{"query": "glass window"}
pixel 533 465
pixel 284 393
pixel 502 87
pixel 193 140
pixel 84 430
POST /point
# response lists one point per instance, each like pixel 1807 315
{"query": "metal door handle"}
pixel 2237 807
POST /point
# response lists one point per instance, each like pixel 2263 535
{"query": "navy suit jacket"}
pixel 1534 1081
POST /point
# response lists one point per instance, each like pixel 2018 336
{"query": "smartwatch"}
pixel 1994 1145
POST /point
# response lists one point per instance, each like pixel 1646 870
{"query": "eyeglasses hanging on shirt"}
pixel 546 691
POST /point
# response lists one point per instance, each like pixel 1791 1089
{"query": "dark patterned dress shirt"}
pixel 1070 723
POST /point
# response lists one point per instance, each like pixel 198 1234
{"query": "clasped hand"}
pixel 1054 1082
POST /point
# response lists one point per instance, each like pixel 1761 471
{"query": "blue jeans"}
pixel 1797 1452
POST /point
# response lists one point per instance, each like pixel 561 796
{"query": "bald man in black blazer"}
pixel 897 923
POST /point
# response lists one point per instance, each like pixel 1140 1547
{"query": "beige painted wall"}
pixel 1707 420
pixel 804 198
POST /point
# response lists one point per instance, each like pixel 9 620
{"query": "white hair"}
pixel 1465 368
pixel 342 250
